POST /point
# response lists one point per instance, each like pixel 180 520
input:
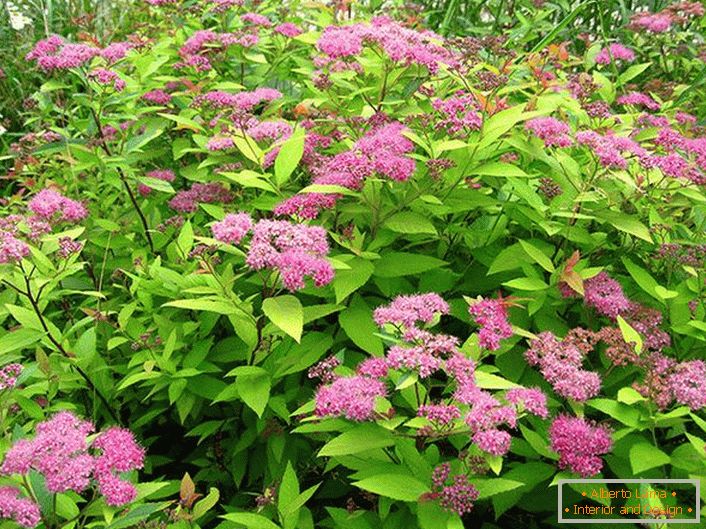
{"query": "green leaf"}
pixel 288 489
pixel 211 305
pixel 156 184
pixel 205 505
pixel 395 486
pixel 357 322
pixel 285 312
pixel 185 241
pixel 289 156
pixel 644 456
pixel 491 487
pixel 642 277
pixel 627 224
pixel 348 281
pixel 630 335
pixel 250 520
pixel 538 256
pixel 410 222
pixel 360 438
pixel 254 389
pixel 19 339
pixel 398 264
pixel 526 283
pixel 499 169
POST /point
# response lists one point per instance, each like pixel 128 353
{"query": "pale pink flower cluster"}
pixel 402 45
pixel 580 444
pixel 350 397
pixel 560 362
pixel 116 51
pixel 256 19
pixel 441 414
pixel 615 52
pixel 12 249
pixel 551 131
pixel 532 400
pixel 609 149
pixel 666 380
pixel 166 175
pixel 61 452
pixel 491 315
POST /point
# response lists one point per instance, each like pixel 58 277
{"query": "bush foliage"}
pixel 294 266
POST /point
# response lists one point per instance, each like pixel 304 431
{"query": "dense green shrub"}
pixel 348 273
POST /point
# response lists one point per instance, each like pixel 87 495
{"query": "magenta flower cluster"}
pixel 580 444
pixel 295 251
pixel 615 52
pixel 15 507
pixel 551 131
pixel 62 453
pixel 8 376
pixel 54 53
pixel 455 493
pixel 491 315
pixel 188 200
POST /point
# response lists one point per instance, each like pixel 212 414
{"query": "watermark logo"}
pixel 660 501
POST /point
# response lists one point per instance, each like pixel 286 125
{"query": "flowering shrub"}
pixel 347 272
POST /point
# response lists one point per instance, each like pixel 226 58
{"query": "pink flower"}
pixel 22 510
pixel 491 315
pixel 457 497
pixel 652 22
pixel 158 97
pixel 605 295
pixel 256 19
pixel 306 205
pixel 579 444
pixel 8 376
pixel 270 130
pixel 551 131
pixel 688 383
pixel 494 442
pixel 294 250
pixel 54 53
pixel 232 228
pixel 288 30
pixel 187 201
pixel 408 310
pixel 119 453
pixel 116 51
pixel 459 113
pixel 220 143
pixel 68 246
pixel 12 250
pixel 442 414
pixel 638 99
pixel 532 399
pixel 373 367
pixel 350 397
pixel 615 52
pixel 54 207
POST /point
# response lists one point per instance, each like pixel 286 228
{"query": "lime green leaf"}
pixel 537 256
pixel 410 222
pixel 289 156
pixel 395 486
pixel 250 520
pixel 398 264
pixel 285 312
pixel 254 389
pixel 630 335
pixel 360 438
pixel 644 456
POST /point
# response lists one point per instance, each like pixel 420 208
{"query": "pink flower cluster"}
pixel 61 452
pixel 491 315
pixel 158 97
pixel 400 44
pixel 666 381
pixel 350 397
pixel 22 510
pixel 458 114
pixel 615 52
pixel 609 149
pixel 408 311
pixel 383 151
pixel 638 99
pixel 53 53
pixel 52 206
pixel 532 400
pixel 166 175
pixel 8 376
pixel 441 414
pixel 241 100
pixel 256 19
pixel 296 251
pixel 560 361
pixel 12 249
pixel 580 444
pixel 106 77
pixel 458 496
pixel 551 131
pixel 233 228
pixel 200 47
pixel 187 201
pixel 605 294
pixel 288 29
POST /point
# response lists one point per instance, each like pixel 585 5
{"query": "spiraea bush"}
pixel 281 265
